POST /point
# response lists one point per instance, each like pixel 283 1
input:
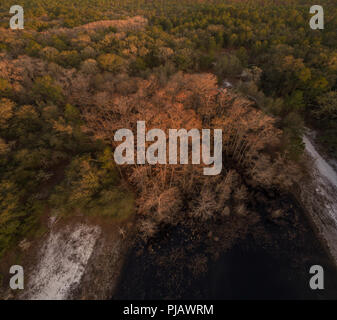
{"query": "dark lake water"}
pixel 251 272
pixel 248 270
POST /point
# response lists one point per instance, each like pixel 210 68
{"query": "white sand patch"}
pixel 325 178
pixel 63 260
pixel 319 196
pixel 322 166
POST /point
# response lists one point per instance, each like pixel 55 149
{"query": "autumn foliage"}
pixel 167 193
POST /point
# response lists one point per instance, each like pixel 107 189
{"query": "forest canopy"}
pixel 81 70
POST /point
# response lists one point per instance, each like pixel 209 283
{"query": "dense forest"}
pixel 81 70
